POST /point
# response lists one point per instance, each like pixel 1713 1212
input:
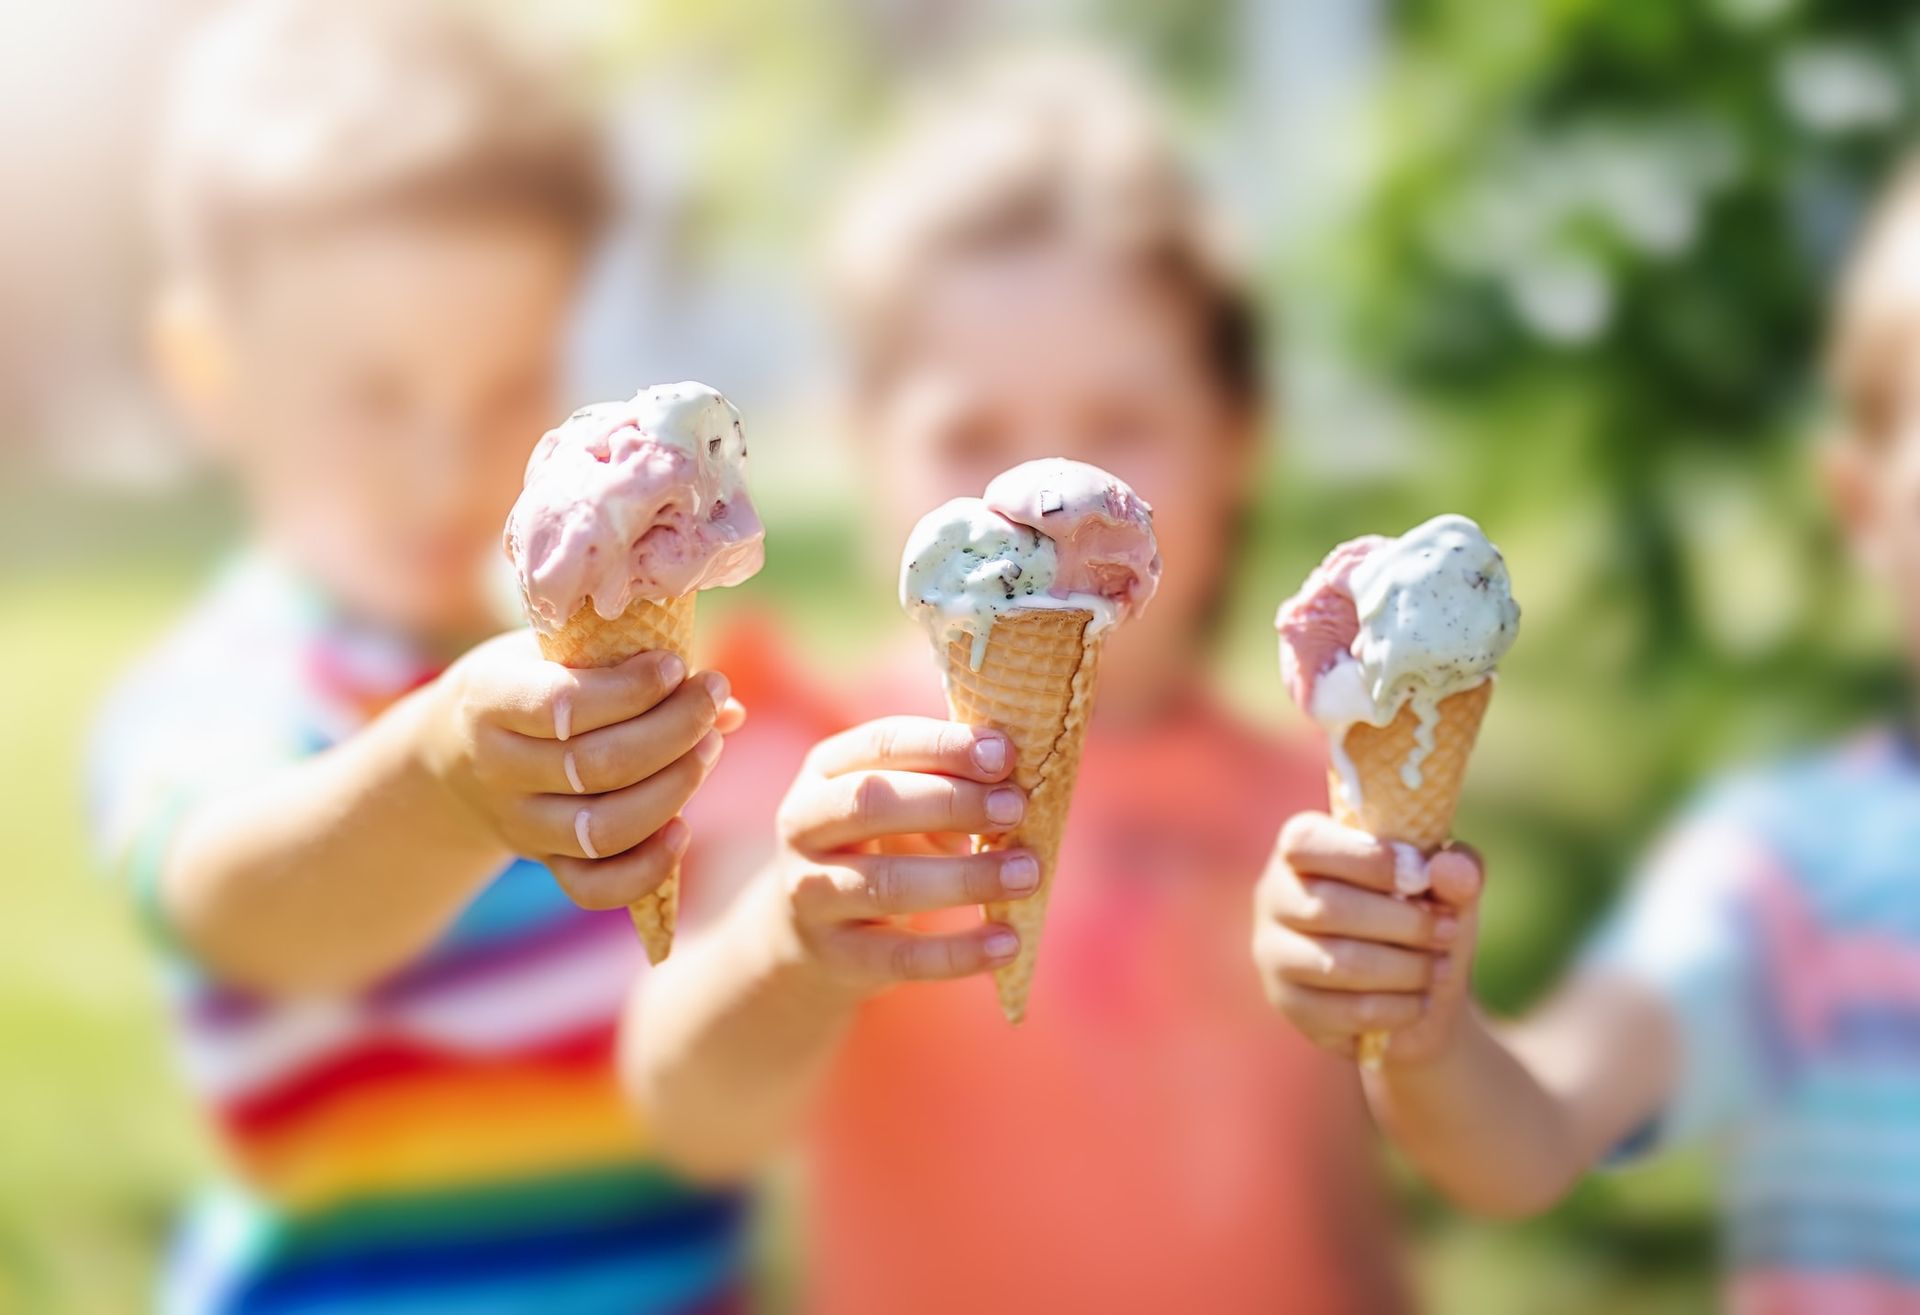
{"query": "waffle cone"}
pixel 590 640
pixel 1388 807
pixel 1035 685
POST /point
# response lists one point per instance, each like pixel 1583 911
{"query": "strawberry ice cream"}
pixel 644 498
pixel 1319 623
pixel 1102 531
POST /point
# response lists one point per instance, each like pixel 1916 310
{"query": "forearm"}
pixel 1505 1119
pixel 1478 1123
pixel 727 1043
pixel 331 872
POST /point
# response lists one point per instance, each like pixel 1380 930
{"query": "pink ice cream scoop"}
pixel 645 498
pixel 1102 531
pixel 1320 622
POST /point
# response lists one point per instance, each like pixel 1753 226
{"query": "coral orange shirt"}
pixel 1153 1137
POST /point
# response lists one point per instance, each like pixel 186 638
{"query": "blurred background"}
pixel 1558 264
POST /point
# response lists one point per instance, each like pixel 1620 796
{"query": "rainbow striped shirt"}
pixel 452 1139
pixel 1781 923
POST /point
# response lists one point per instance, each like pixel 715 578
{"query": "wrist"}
pixel 422 721
pixel 1436 1054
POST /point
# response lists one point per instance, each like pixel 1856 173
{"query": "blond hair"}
pixel 1043 147
pixel 287 113
pixel 1876 312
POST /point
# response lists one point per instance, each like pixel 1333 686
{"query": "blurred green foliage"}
pixel 1591 266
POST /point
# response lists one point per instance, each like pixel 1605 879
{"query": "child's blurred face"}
pixel 1049 352
pixel 379 388
pixel 1878 493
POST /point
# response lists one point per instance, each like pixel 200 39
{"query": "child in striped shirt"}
pixel 399 983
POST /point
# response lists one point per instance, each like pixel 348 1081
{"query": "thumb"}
pixel 1456 876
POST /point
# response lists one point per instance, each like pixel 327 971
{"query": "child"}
pixel 1762 985
pixel 376 217
pixel 1031 275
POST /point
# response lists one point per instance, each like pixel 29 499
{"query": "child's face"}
pixel 1049 352
pixel 378 389
pixel 1877 493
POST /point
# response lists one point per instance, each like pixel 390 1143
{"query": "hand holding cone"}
pixel 1036 685
pixel 1384 805
pixel 629 509
pixel 1391 646
pixel 1018 591
pixel 590 640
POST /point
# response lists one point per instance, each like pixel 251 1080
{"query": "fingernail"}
pixel 1409 869
pixel 1445 929
pixel 990 755
pixel 672 669
pixel 1002 944
pixel 582 821
pixel 708 750
pixel 1005 807
pixel 573 773
pixel 1021 872
pixel 562 716
pixel 677 835
pixel 718 689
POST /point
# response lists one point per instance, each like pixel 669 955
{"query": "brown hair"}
pixel 1046 147
pixel 289 113
pixel 1876 313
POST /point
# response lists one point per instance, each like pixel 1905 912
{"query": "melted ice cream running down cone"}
pixel 629 510
pixel 1391 646
pixel 1017 591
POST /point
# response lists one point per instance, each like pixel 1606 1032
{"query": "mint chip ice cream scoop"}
pixel 1383 622
pixel 1049 533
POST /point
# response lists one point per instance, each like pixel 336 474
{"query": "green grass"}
pixel 98 1143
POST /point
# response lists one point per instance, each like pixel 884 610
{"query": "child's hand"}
pixel 855 834
pixel 1339 955
pixel 583 770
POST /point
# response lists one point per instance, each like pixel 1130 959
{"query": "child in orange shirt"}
pixel 1032 275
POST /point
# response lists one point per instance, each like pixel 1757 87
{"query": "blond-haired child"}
pixel 351 828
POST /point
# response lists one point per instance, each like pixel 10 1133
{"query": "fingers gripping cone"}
pixel 1017 589
pixel 1035 685
pixel 1421 816
pixel 636 505
pixel 590 640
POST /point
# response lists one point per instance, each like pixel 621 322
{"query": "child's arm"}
pixel 739 1025
pixel 334 870
pixel 1502 1119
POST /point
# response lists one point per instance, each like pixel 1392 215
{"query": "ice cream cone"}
pixel 1036 685
pixel 1421 816
pixel 590 640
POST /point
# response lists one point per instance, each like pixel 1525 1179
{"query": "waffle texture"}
pixel 1391 810
pixel 1036 685
pixel 590 640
